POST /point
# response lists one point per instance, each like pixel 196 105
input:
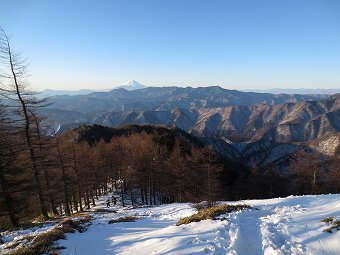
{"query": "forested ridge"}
pixel 73 172
pixel 150 168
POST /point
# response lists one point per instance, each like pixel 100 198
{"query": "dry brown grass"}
pixel 211 213
pixel 124 219
pixel 43 243
pixel 103 210
pixel 13 245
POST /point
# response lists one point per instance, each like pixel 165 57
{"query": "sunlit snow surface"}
pixel 277 226
pixel 280 226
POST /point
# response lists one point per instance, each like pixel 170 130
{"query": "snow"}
pixel 131 85
pixel 279 226
pixel 328 146
pixel 9 236
pixel 20 235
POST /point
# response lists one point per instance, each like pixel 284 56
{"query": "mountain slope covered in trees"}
pixel 270 132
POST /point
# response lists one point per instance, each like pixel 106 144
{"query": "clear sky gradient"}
pixel 235 44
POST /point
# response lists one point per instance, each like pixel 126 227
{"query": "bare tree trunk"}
pixel 8 199
pixel 131 196
pixel 79 186
pixel 122 191
pixel 92 197
pixel 87 199
pixel 87 193
pixel 62 166
pixel 314 186
pixel 47 181
pixel 74 199
pixel 146 195
pixel 142 196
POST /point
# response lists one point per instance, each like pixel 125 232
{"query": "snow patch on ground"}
pixel 278 226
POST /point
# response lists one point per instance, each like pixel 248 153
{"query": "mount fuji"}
pixel 131 85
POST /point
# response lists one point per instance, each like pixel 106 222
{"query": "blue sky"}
pixel 235 44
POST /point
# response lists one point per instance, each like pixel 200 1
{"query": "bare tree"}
pixel 15 88
pixel 309 171
pixel 7 159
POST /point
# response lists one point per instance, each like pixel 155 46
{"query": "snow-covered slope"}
pixel 278 226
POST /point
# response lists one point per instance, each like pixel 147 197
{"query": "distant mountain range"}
pixel 130 85
pixel 51 92
pixel 309 91
pixel 247 126
pixel 134 85
pixel 168 98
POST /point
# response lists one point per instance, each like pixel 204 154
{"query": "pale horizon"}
pixel 114 86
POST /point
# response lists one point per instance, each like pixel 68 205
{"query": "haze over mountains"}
pixel 134 85
pixel 130 85
pixel 249 126
pixel 320 91
pixel 166 98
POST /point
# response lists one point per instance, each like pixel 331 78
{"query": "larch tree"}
pixel 7 164
pixel 15 89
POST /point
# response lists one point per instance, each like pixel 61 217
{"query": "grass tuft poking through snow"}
pixel 43 242
pixel 104 210
pixel 328 219
pixel 211 212
pixel 334 222
pixel 124 219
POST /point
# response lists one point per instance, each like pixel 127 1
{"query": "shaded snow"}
pixel 274 227
pixel 278 226
pixel 20 236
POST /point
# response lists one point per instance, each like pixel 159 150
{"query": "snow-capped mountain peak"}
pixel 131 85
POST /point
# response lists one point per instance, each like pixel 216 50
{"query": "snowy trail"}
pixel 275 235
pixel 282 226
pixel 150 235
pixel 249 236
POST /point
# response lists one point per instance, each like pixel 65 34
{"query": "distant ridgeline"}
pixel 162 135
pixel 251 128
